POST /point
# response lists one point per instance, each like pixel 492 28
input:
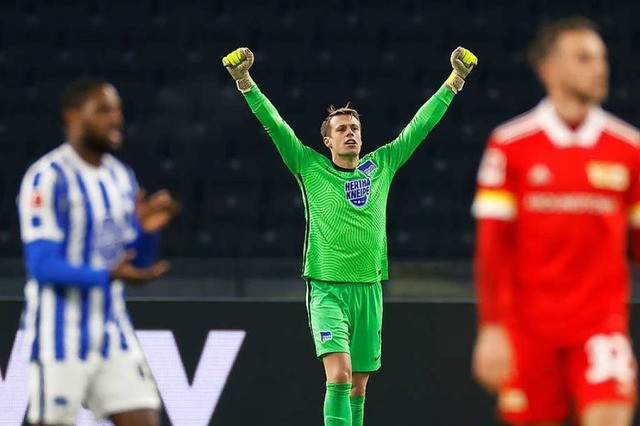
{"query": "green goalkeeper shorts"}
pixel 347 317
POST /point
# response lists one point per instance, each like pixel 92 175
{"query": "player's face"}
pixel 578 66
pixel 101 120
pixel 344 138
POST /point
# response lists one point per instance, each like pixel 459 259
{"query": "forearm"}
pixel 266 113
pixel 289 146
pixel 145 246
pixel 419 127
pixel 429 114
pixel 47 265
pixel 494 269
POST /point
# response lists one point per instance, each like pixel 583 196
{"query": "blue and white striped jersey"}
pixel 76 221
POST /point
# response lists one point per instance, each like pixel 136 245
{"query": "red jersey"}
pixel 568 197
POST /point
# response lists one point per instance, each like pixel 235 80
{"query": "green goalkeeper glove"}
pixel 238 63
pixel 462 61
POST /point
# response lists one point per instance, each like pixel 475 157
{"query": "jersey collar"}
pixel 342 169
pixel 562 135
pixel 74 158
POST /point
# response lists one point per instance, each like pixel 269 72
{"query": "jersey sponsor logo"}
pixel 493 168
pixel 570 203
pixel 368 167
pixel 357 191
pixel 325 336
pixel 611 176
pixel 539 175
pixel 108 241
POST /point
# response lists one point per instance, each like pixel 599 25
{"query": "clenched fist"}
pixel 462 61
pixel 238 63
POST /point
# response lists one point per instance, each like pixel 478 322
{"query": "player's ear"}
pixel 327 142
pixel 70 116
pixel 544 71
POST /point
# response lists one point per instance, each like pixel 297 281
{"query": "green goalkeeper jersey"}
pixel 345 210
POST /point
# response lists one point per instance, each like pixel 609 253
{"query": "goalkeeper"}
pixel 345 254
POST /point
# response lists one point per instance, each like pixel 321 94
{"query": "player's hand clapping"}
pixel 131 274
pixel 156 211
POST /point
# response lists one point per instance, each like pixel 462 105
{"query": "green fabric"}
pixel 347 318
pixel 357 410
pixel 337 408
pixel 346 210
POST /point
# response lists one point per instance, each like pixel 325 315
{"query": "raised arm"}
pixel 400 149
pixel 292 151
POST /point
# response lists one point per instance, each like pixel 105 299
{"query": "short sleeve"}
pixel 43 204
pixel 495 195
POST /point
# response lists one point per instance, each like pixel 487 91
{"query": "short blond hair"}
pixel 325 127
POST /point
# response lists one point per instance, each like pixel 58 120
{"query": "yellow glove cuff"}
pixel 454 82
pixel 245 84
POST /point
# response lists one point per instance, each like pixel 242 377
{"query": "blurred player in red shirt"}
pixel 558 191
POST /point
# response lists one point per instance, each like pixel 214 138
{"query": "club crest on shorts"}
pixel 325 336
pixel 357 191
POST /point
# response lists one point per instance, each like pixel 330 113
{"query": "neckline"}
pixel 342 169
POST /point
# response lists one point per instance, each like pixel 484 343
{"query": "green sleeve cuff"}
pixel 446 94
pixel 253 92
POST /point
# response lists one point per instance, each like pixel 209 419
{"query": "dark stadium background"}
pixel 240 235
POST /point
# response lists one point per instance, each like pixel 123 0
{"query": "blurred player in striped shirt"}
pixel 86 229
pixel 558 190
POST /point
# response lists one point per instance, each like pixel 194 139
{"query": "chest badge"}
pixel 368 167
pixel 609 176
pixel 357 191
